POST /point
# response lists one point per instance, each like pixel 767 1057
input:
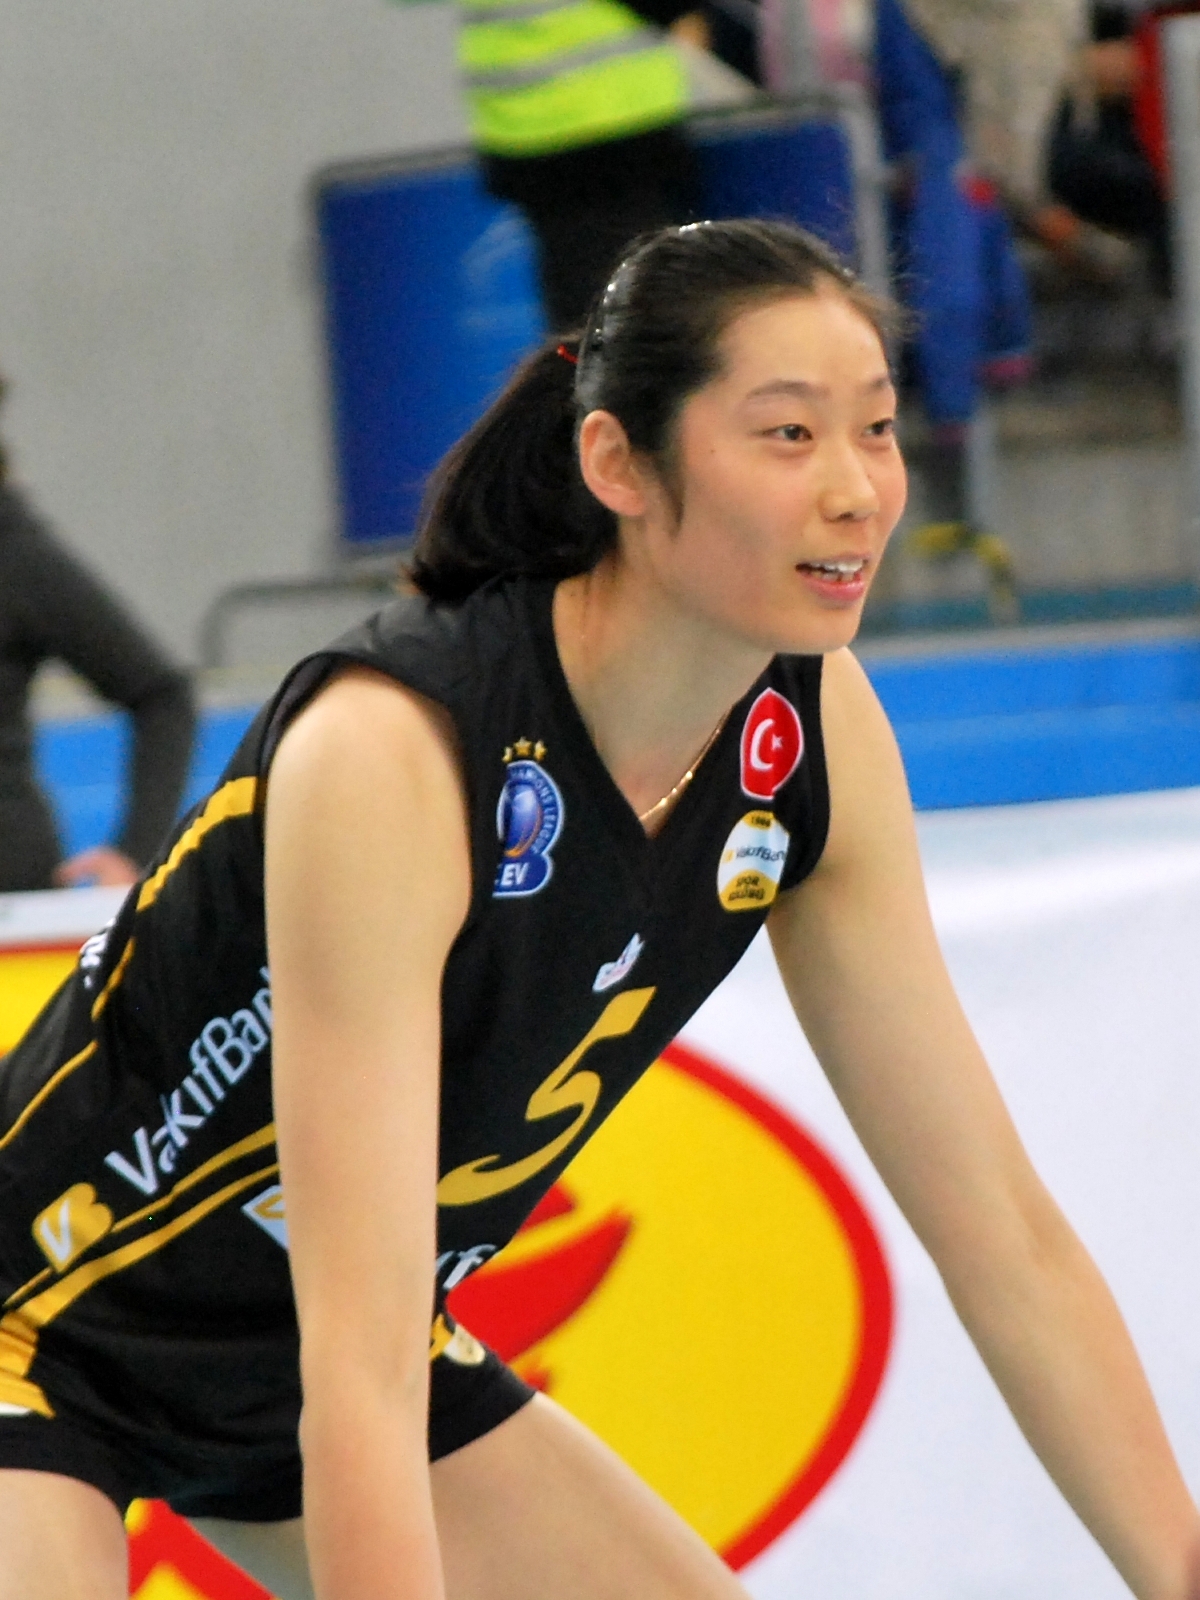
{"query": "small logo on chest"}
pixel 529 819
pixel 268 1210
pixel 71 1224
pixel 752 862
pixel 611 972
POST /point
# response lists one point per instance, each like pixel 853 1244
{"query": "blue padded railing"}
pixel 995 727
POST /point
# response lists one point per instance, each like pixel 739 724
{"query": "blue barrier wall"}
pixel 977 728
pixel 81 761
pixel 994 728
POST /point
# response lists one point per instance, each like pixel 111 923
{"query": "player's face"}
pixel 790 476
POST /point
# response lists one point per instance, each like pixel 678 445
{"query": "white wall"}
pixel 159 320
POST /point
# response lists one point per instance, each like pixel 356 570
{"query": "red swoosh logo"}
pixel 513 1307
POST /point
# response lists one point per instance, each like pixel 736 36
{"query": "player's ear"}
pixel 609 465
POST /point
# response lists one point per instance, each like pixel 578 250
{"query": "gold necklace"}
pixel 673 794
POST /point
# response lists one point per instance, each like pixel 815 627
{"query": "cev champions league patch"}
pixel 752 861
pixel 529 819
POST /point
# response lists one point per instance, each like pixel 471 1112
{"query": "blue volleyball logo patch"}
pixel 529 819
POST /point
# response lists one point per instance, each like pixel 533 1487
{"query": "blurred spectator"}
pixel 1011 60
pixel 576 108
pixel 958 267
pixel 51 608
pixel 734 36
pixel 1098 167
pixel 803 43
pixel 1108 154
pixel 1148 88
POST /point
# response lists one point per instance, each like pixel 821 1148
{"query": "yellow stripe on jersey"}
pixel 48 1089
pixel 28 1288
pixel 17 1348
pixel 114 978
pixel 15 1388
pixel 244 1147
pixel 77 1060
pixel 233 799
pixel 19 1329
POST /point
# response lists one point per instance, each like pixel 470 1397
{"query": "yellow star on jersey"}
pixel 523 747
pixel 539 750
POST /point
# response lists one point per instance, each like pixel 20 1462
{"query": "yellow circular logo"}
pixel 704 1290
pixel 752 862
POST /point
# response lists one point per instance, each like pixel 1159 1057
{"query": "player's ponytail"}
pixel 509 499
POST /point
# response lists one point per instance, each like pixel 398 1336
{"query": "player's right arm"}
pixel 367 883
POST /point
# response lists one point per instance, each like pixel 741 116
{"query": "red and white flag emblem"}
pixel 772 744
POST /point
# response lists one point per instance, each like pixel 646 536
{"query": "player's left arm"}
pixel 858 954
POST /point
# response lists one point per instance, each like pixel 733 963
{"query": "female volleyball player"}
pixel 500 843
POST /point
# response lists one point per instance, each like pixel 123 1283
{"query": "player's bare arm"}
pixel 860 959
pixel 367 882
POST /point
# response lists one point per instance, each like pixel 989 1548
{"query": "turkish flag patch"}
pixel 772 744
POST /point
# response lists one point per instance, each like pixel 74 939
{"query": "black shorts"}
pixel 467 1399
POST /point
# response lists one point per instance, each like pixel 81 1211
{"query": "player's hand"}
pixel 103 866
pixel 692 28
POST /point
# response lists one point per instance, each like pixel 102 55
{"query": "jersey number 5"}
pixel 564 1090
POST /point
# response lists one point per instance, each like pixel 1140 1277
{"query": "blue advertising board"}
pixel 431 295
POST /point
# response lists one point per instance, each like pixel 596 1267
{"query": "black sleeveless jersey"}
pixel 139 1190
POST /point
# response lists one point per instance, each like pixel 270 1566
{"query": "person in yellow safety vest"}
pixel 576 109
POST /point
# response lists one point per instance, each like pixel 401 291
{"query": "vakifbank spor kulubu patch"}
pixel 751 863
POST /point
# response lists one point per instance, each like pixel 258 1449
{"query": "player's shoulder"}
pixel 851 710
pixel 799 678
pixel 359 715
pixel 449 656
pixel 418 639
pixel 869 802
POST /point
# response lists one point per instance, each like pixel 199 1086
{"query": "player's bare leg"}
pixel 534 1510
pixel 59 1540
pixel 539 1508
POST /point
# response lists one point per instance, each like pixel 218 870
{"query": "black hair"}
pixel 509 499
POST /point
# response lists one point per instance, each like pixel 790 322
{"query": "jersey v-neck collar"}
pixel 584 756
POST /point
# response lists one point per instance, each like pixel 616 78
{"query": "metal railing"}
pixel 241 597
